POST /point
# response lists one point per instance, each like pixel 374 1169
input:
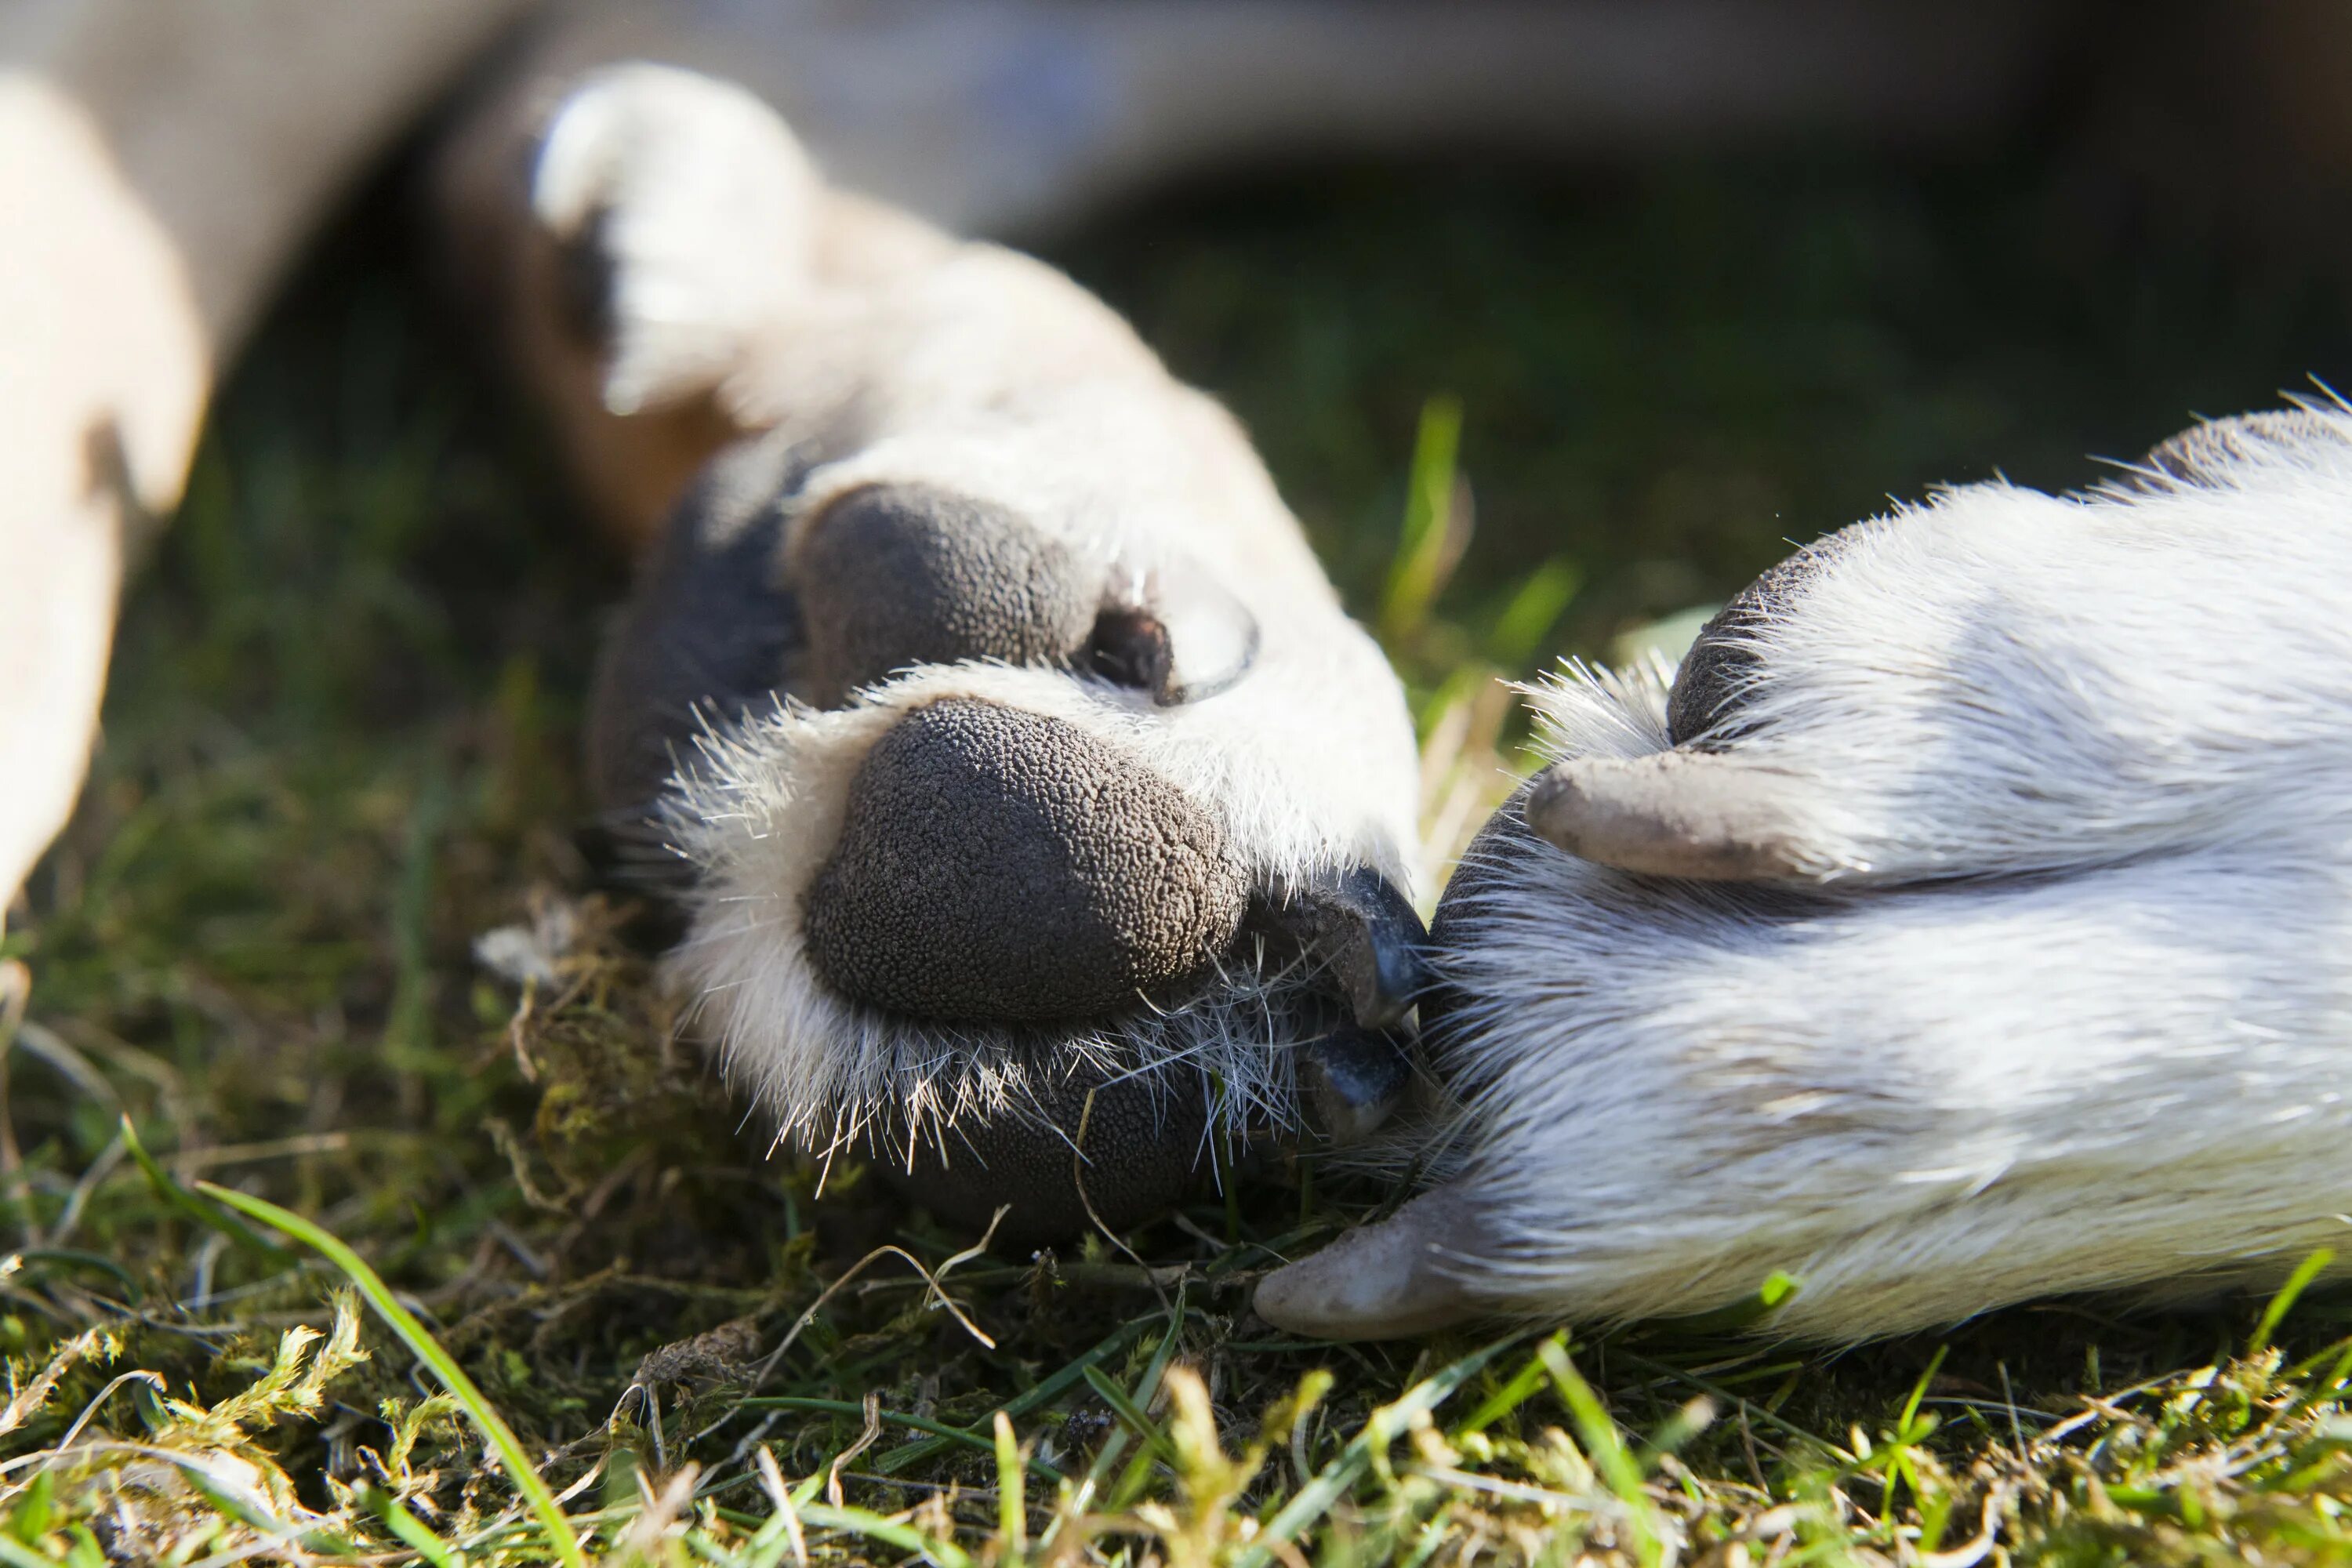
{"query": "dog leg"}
pixel 2105 1058
pixel 157 165
pixel 2003 681
pixel 1034 804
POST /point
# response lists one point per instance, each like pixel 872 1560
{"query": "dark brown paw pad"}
pixel 999 865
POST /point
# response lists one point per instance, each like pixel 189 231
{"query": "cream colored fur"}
pixel 986 374
pixel 2115 1062
pixel 158 165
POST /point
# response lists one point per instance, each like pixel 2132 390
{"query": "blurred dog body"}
pixel 159 165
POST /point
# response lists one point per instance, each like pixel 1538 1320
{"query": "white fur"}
pixel 758 814
pixel 908 359
pixel 704 204
pixel 2002 681
pixel 2121 1062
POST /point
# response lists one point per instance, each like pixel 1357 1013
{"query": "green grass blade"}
pixel 772 1542
pixel 1046 1391
pixel 940 1429
pixel 1011 1500
pixel 35 1505
pixel 1778 1290
pixel 1919 1389
pixel 710 1552
pixel 427 1349
pixel 1425 554
pixel 2283 1303
pixel 1132 1479
pixel 81 1260
pixel 1129 1412
pixel 1331 1483
pixel 1600 1438
pixel 412 1531
pixel 1510 1396
pixel 1533 611
pixel 1620 1471
pixel 15 1553
pixel 180 1198
pixel 871 1526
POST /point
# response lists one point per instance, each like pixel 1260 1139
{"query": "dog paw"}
pixel 2107 1062
pixel 976 821
pixel 1038 814
pixel 2001 681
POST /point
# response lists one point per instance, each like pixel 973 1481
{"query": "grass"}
pixel 321 1237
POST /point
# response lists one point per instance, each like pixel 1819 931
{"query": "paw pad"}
pixel 997 864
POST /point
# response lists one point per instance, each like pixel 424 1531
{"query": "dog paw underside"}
pixel 1035 808
pixel 1964 922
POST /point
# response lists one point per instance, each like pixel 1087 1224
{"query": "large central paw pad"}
pixel 1004 865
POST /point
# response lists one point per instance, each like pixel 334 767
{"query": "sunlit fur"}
pixel 758 813
pixel 899 357
pixel 2071 1007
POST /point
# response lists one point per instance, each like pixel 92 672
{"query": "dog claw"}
pixel 1382 1282
pixel 1175 633
pixel 1353 1079
pixel 1363 928
pixel 1675 814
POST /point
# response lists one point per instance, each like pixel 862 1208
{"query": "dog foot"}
pixel 1037 809
pixel 1717 1008
pixel 1997 682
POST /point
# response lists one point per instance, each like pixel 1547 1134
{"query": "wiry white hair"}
pixel 757 816
pixel 2097 1035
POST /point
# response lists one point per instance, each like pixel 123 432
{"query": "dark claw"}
pixel 1353 1079
pixel 1174 633
pixel 1362 927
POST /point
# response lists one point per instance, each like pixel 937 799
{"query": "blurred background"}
pixel 1555 324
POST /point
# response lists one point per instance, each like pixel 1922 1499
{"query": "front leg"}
pixel 2111 1059
pixel 1035 809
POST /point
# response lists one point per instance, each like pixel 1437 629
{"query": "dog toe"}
pixel 680 207
pixel 890 576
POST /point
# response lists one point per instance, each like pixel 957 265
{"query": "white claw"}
pixel 1677 814
pixel 1382 1282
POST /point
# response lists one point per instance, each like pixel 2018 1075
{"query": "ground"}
pixel 340 748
